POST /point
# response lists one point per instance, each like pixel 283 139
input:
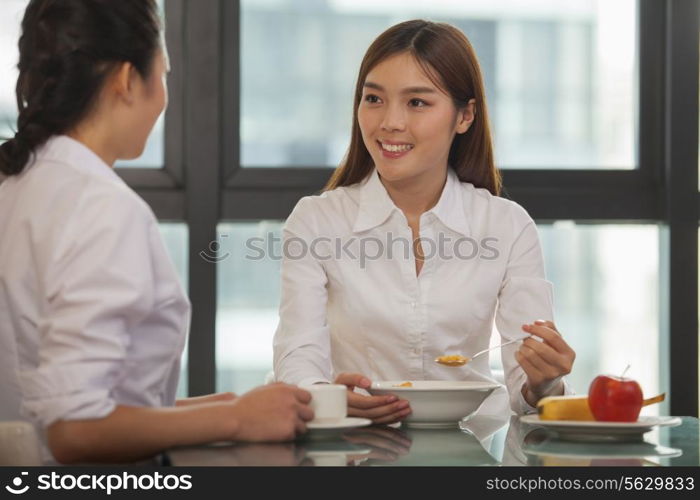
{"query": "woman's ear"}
pixel 465 116
pixel 122 82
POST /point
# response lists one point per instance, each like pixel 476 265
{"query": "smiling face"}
pixel 407 122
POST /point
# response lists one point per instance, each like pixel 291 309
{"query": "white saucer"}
pixel 579 430
pixel 337 425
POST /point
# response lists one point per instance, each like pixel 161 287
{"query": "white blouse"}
pixel 351 300
pixel 93 314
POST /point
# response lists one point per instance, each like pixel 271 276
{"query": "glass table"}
pixel 477 441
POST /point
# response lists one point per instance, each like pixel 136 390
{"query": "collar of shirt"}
pixel 68 151
pixel 376 205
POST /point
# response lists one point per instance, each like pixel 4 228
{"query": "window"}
pixel 248 273
pixel 9 35
pixel 560 77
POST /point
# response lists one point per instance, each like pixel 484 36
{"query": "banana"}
pixel 564 408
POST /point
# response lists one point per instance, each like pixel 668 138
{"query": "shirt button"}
pixel 416 351
pixel 413 305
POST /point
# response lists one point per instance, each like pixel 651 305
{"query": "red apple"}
pixel 615 399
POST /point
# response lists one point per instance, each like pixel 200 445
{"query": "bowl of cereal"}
pixel 436 403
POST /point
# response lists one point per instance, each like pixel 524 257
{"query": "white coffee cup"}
pixel 329 402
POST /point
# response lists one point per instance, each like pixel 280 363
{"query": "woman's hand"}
pixel 273 412
pixel 545 362
pixel 380 409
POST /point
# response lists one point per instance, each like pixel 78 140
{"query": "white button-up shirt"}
pixel 351 300
pixel 92 311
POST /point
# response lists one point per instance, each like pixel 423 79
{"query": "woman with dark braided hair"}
pixel 92 317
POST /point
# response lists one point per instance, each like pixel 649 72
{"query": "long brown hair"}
pixel 449 60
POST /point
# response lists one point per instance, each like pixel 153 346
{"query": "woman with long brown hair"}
pixel 410 253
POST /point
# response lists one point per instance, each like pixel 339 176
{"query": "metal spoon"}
pixel 458 360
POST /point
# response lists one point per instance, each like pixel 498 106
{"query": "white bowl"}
pixel 437 403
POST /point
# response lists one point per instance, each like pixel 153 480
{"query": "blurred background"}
pixel 260 114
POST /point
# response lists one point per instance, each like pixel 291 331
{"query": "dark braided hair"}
pixel 66 50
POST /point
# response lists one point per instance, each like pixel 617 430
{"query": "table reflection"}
pixel 420 447
pixel 386 444
pixel 483 440
pixel 241 454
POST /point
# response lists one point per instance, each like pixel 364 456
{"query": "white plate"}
pixel 338 425
pixel 578 430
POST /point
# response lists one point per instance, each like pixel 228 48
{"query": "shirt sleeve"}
pixel 98 283
pixel 525 296
pixel 301 346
